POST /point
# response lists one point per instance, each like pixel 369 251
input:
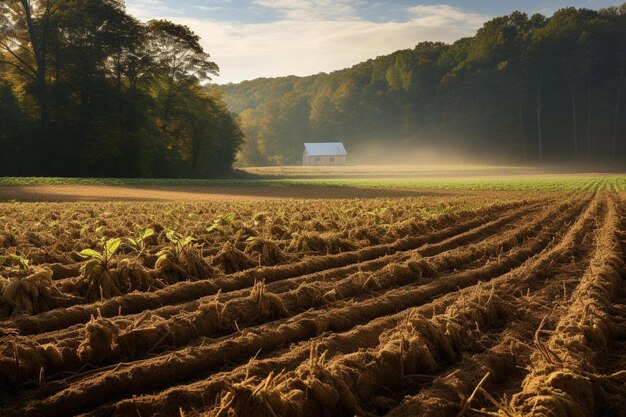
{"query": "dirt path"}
pixel 69 193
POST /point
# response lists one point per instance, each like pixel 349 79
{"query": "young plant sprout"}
pixel 180 242
pixel 139 242
pixel 220 223
pixel 96 272
pixel 102 259
pixel 182 261
pixel 12 260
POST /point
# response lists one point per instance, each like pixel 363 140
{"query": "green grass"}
pixel 137 182
pixel 556 183
pixel 539 183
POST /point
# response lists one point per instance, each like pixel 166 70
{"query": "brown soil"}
pixel 67 193
pixel 510 309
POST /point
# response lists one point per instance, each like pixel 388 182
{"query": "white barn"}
pixel 324 154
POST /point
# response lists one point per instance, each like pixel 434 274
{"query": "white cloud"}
pixel 299 45
pixel 149 9
pixel 208 8
pixel 445 14
pixel 313 9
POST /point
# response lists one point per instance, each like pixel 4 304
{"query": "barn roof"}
pixel 325 149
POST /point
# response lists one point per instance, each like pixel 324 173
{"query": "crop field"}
pixel 484 301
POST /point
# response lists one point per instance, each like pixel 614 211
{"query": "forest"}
pixel 88 90
pixel 531 89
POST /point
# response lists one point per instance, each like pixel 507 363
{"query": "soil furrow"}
pixel 467 238
pixel 200 358
pixel 505 356
pixel 204 392
pixel 181 292
pixel 564 378
pixel 216 317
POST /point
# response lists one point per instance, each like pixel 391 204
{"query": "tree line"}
pixel 88 90
pixel 525 88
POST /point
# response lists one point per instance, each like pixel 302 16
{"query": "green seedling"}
pixel 377 212
pixel 138 243
pixel 220 223
pixel 84 230
pixel 181 243
pixel 12 260
pixel 102 259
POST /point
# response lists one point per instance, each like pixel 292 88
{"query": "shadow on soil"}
pixel 97 193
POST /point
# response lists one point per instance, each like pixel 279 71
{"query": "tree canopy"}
pixel 88 90
pixel 524 88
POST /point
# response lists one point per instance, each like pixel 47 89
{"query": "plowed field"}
pixel 473 304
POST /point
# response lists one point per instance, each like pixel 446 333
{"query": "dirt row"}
pixel 190 290
pixel 360 337
pixel 212 317
pixel 384 307
pixel 511 309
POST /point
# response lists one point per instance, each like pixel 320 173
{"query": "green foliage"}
pixel 101 259
pixel 506 182
pixel 138 243
pixel 477 96
pixel 99 93
pixel 12 261
pixel 181 243
pixel 220 223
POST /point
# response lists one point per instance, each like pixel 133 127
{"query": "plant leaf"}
pixel 89 254
pixel 186 241
pixel 112 246
pixel 171 235
pixel 147 233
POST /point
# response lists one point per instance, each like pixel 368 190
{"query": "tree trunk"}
pixel 574 123
pixel 539 121
pixel 617 111
pixel 169 102
pixel 588 119
pixel 118 70
pixel 616 123
pixel 39 50
pixel 195 154
pixel 520 120
pixel 57 58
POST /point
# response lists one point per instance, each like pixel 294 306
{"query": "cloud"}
pixel 313 9
pixel 441 14
pixel 148 9
pixel 208 8
pixel 305 42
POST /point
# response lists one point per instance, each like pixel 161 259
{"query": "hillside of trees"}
pixel 88 90
pixel 524 88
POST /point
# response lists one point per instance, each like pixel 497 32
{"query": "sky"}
pixel 269 38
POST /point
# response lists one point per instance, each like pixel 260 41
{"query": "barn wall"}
pixel 324 160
